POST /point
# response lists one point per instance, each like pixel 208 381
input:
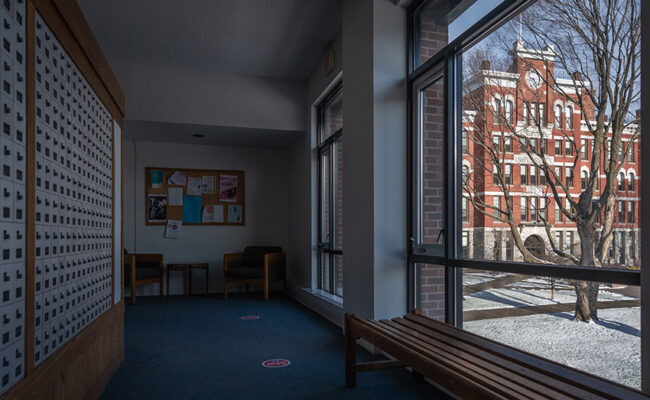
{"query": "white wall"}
pixel 193 96
pixel 371 52
pixel 374 160
pixel 267 207
pixel 304 177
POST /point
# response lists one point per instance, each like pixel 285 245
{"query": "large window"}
pixel 530 261
pixel 330 155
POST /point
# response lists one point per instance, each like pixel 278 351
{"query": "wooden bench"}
pixel 471 366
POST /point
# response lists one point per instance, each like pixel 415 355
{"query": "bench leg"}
pixel 350 355
pixel 417 376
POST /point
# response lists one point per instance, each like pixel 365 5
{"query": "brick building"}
pixel 521 114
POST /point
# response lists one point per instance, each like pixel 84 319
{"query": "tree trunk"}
pixel 586 292
pixel 586 301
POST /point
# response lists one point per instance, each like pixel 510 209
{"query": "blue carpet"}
pixel 198 348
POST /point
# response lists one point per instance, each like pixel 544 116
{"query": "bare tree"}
pixel 597 42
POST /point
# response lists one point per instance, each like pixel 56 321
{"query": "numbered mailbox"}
pixel 19 88
pixel 13 361
pixel 7 108
pixel 12 324
pixel 39 309
pixel 38 341
pixel 7 85
pixel 39 273
pixel 20 124
pixel 12 287
pixel 6 71
pixel 47 307
pixel 46 344
pixel 12 243
pixel 19 202
pixel 7 204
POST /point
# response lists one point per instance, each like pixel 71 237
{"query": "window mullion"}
pixel 331 219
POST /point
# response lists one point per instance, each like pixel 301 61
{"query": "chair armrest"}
pixel 271 258
pixel 228 258
pixel 149 257
pixel 274 259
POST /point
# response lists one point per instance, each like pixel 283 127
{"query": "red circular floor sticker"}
pixel 250 317
pixel 276 363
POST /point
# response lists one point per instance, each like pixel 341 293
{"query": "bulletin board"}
pixel 220 196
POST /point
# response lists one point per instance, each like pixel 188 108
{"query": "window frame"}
pixel 449 59
pixel 323 146
pixel 557 116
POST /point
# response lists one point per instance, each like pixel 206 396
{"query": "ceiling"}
pixel 271 38
pixel 212 135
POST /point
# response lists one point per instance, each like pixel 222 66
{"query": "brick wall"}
pixel 432 277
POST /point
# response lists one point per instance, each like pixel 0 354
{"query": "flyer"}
pixel 209 184
pixel 228 188
pixel 192 209
pixel 175 196
pixel 157 204
pixel 234 214
pixel 194 186
pixel 174 229
pixel 212 213
pixel 156 178
pixel 178 178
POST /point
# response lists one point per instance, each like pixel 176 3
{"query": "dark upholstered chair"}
pixel 143 269
pixel 257 264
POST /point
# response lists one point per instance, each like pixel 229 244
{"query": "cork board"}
pixel 221 190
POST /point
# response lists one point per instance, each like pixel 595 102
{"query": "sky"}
pixel 475 12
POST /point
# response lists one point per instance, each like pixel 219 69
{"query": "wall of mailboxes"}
pixel 73 196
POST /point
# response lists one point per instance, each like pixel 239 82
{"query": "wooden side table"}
pixel 187 269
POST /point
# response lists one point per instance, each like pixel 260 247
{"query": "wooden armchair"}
pixel 143 269
pixel 257 264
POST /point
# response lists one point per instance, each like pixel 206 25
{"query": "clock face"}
pixel 533 78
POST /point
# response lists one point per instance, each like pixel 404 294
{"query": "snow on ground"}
pixel 480 277
pixel 610 348
pixel 530 292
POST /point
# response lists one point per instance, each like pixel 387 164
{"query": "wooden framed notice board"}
pixel 194 196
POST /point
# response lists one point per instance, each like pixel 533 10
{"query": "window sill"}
pixel 327 296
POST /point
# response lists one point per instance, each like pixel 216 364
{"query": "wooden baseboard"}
pixel 82 367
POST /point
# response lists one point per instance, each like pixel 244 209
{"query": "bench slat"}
pixel 518 376
pixel 491 374
pixel 518 368
pixel 478 376
pixel 583 380
pixel 459 384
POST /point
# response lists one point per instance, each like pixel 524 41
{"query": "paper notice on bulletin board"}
pixel 175 196
pixel 228 188
pixel 177 178
pixel 234 214
pixel 192 209
pixel 156 178
pixel 212 213
pixel 174 229
pixel 194 185
pixel 209 184
pixel 157 207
